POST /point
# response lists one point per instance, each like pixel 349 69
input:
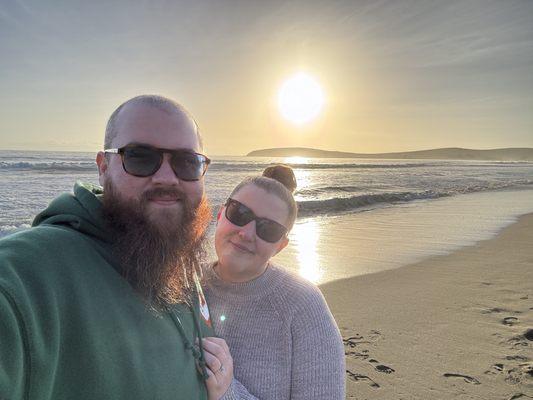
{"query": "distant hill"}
pixel 451 153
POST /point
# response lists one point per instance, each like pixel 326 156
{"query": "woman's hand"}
pixel 219 367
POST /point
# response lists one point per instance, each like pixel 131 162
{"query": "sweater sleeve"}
pixel 13 357
pixel 237 391
pixel 318 362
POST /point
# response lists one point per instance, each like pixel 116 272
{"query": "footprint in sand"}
pixel 355 336
pixel 495 369
pixel 518 341
pixel 354 341
pixel 510 321
pixel 520 396
pixel 522 340
pixel 384 368
pixel 361 378
pixel 466 378
pixel 357 339
pixel 517 358
pixel 494 310
pixel 520 374
pixel 374 335
pixel 528 369
pixel 360 355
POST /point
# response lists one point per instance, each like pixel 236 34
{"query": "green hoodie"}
pixel 72 328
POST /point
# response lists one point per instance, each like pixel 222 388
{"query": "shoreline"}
pixel 449 326
pixel 327 249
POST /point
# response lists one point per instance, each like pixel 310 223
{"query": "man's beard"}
pixel 159 259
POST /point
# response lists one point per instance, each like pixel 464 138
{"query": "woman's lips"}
pixel 241 248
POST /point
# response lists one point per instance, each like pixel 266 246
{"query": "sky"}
pixel 396 75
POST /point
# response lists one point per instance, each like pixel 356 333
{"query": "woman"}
pixel 277 326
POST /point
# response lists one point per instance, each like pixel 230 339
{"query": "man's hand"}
pixel 219 367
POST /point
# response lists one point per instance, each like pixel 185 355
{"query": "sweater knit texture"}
pixel 283 339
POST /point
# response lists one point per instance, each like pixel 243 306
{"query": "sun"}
pixel 300 98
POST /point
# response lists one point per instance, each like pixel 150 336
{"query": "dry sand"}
pixel 458 326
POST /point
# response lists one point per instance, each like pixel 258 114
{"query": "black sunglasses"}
pixel 266 229
pixel 143 161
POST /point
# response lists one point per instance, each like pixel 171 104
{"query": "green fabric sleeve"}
pixel 14 357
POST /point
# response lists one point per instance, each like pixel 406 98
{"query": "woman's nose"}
pixel 247 231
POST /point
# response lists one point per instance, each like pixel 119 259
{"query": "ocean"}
pixel 401 210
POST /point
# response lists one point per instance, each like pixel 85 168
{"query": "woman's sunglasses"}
pixel 143 161
pixel 266 229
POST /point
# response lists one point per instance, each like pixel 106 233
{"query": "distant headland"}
pixel 451 153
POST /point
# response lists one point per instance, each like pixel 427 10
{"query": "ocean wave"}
pixel 342 204
pixel 331 190
pixel 238 167
pixel 215 166
pixel 48 167
pixel 369 201
pixel 328 189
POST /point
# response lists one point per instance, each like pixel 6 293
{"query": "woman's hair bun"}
pixel 283 174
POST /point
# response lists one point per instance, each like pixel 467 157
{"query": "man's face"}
pixel 157 222
pixel 163 192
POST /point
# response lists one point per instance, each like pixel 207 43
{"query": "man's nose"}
pixel 165 174
pixel 247 232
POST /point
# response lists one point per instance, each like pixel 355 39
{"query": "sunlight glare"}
pixel 306 235
pixel 296 160
pixel 300 98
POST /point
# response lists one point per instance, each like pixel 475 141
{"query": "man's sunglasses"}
pixel 266 229
pixel 143 161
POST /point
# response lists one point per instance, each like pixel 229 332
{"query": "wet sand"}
pixel 458 326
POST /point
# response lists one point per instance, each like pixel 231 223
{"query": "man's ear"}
pixel 284 242
pixel 219 214
pixel 101 162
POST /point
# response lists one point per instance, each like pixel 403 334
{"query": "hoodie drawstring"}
pixel 198 353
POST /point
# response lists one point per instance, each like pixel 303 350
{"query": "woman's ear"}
pixel 284 242
pixel 219 214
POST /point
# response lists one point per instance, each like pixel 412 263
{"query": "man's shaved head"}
pixel 159 102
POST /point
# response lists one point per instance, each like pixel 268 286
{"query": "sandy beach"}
pixel 458 326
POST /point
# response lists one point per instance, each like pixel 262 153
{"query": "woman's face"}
pixel 242 256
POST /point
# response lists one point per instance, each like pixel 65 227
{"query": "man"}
pixel 97 299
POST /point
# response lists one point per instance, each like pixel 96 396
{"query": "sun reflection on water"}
pixel 305 236
pixel 296 160
pixel 303 180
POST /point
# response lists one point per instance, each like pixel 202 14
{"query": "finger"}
pixel 210 374
pixel 219 341
pixel 212 362
pixel 215 348
pixel 211 382
pixel 224 356
pixel 215 352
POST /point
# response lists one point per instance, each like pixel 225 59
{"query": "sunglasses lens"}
pixel 188 166
pixel 270 231
pixel 141 161
pixel 238 213
pixel 145 161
